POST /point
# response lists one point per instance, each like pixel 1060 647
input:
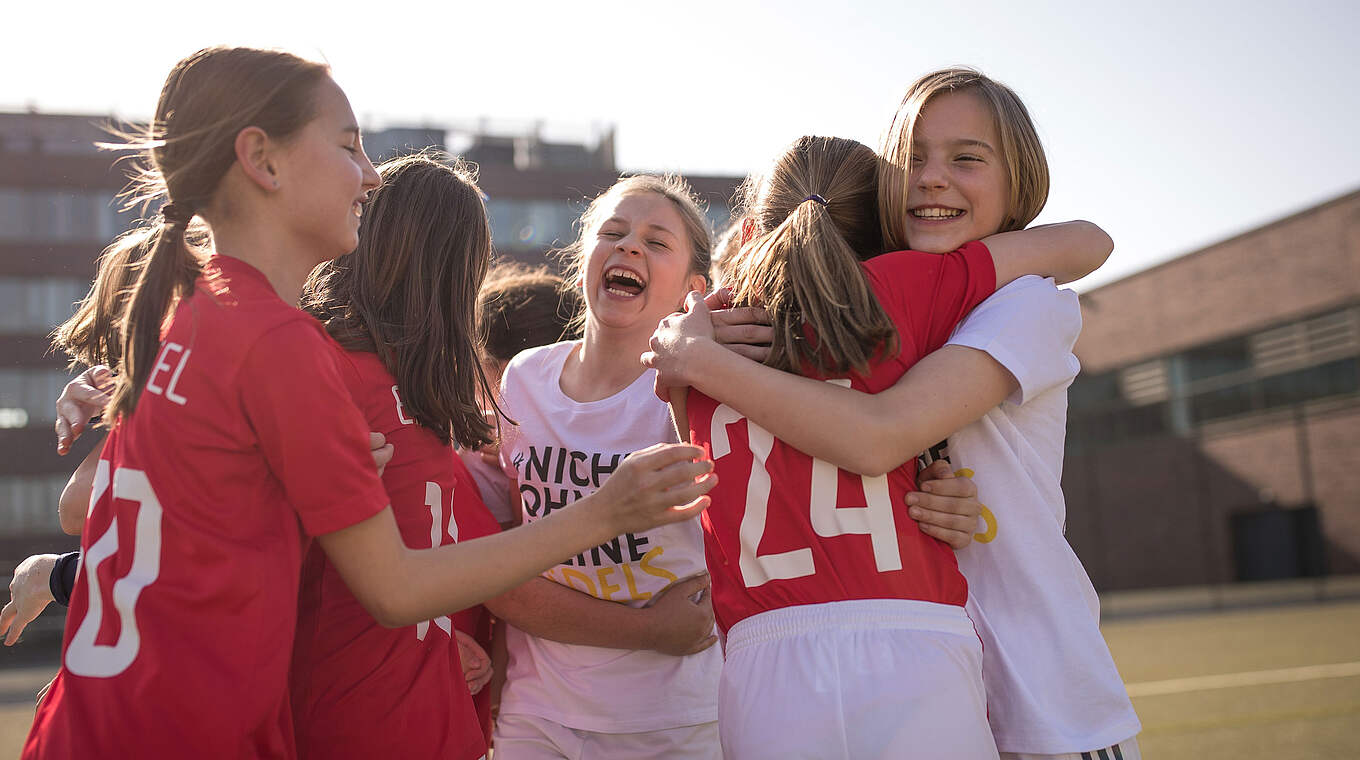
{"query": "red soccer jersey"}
pixel 182 619
pixel 787 529
pixel 361 690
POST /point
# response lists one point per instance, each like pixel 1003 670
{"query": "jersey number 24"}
pixel 874 519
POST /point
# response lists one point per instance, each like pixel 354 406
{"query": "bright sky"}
pixel 1171 124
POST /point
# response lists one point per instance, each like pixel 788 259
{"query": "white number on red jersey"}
pixel 875 519
pixel 83 656
pixel 434 499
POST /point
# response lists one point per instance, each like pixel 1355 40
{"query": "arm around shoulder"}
pixel 1067 251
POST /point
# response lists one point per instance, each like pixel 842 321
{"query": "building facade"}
pixel 1214 432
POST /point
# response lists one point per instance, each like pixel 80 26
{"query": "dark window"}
pixel 1303 385
pixel 1216 359
pixel 1091 391
pixel 1224 402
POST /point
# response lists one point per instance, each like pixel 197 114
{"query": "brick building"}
pixel 1214 433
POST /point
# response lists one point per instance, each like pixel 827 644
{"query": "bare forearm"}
pixel 401 586
pixel 864 433
pixel 1067 251
pixel 552 611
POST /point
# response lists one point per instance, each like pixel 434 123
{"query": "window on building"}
pixel 28 504
pixel 36 305
pixel 27 395
pixel 60 216
pixel 1092 391
pixel 1299 386
pixel 1217 359
pixel 1225 402
pixel 531 223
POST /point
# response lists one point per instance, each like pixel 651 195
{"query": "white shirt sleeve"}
pixel 1029 327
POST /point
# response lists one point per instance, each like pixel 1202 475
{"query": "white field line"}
pixel 1250 678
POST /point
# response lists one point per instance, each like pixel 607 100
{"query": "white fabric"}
pixel 492 483
pixel 560 449
pixel 1052 686
pixel 528 737
pixel 878 678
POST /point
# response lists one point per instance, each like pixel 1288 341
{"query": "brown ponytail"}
pixel 208 98
pixel 805 266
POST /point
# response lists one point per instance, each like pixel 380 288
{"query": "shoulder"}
pixel 535 364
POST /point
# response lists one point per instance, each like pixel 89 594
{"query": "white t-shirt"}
pixel 1052 686
pixel 562 450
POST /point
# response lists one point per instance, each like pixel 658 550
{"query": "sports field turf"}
pixel 1279 683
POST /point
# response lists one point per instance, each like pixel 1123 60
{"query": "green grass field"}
pixel 1278 683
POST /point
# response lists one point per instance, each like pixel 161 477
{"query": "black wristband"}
pixel 63 578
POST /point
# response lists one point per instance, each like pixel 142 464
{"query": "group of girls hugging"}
pixel 339 450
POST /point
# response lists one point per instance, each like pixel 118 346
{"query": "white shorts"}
pixel 1125 750
pixel 864 679
pixel 529 737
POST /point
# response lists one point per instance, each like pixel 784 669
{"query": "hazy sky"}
pixel 1171 124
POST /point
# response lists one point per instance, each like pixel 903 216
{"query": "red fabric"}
pixel 925 295
pixel 361 690
pixel 245 437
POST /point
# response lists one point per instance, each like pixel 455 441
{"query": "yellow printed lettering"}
pixel 568 574
pixel 659 572
pixel 607 589
pixel 633 592
pixel 989 535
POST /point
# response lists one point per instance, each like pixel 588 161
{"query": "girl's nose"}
pixel 932 174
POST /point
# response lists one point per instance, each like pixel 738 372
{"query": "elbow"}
pixel 876 454
pixel 389 611
pixel 1094 253
pixel 70 515
pixel 1105 247
pixel 389 616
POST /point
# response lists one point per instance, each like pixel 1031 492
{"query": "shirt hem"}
pixel 689 719
pixel 1033 745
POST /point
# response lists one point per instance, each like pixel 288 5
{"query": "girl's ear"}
pixel 698 283
pixel 253 155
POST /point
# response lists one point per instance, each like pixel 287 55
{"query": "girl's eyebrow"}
pixel 971 143
pixel 620 220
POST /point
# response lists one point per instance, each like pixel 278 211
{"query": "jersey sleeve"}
pixel 309 430
pixel 934 291
pixel 1029 327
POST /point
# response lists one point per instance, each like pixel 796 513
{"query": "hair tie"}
pixel 815 197
pixel 176 214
